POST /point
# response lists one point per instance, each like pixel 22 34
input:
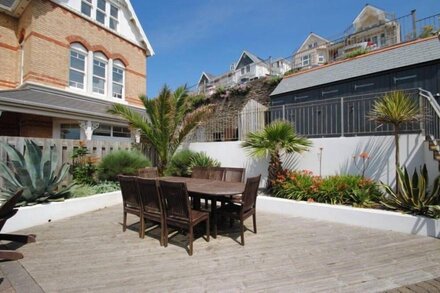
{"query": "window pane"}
pixel 114 11
pixel 86 8
pixel 117 91
pixel 99 68
pixel 77 63
pixel 70 131
pixel 98 85
pixel 76 79
pixel 118 75
pixel 121 131
pixel 113 24
pixel 103 130
pixel 100 17
pixel 101 4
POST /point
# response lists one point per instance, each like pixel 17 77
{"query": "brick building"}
pixel 64 62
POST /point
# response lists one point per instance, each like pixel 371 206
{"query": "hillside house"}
pixel 248 67
pixel 64 62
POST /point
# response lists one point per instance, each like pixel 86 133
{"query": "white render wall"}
pixel 337 156
pixel 126 28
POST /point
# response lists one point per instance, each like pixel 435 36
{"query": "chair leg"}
pixel 190 236
pixel 214 233
pixel 124 222
pixel 207 228
pixel 165 234
pixel 142 227
pixel 254 218
pixel 242 231
pixel 10 255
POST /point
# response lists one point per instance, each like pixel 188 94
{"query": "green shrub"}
pixel 121 162
pixel 357 52
pixel 413 196
pixel 35 172
pixel 201 159
pixel 273 80
pixel 179 164
pixel 83 166
pixel 102 187
pixel 183 161
pixel 340 189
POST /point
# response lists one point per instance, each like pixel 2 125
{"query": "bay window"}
pixel 86 7
pixel 101 11
pixel 113 22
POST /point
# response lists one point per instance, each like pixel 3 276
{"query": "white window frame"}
pixel 111 17
pixel 88 3
pixel 99 57
pixel 305 60
pixel 102 11
pixel 80 50
pixel 321 58
pixel 248 68
pixel 118 65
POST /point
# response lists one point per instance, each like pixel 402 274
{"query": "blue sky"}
pixel 208 35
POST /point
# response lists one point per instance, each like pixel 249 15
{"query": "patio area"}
pixel 91 253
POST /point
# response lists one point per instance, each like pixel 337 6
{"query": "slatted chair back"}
pixel 150 197
pixel 200 173
pixel 176 200
pixel 129 191
pixel 249 196
pixel 7 210
pixel 216 173
pixel 148 172
pixel 234 174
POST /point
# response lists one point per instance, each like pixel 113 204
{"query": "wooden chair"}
pixel 216 173
pixel 178 212
pixel 151 205
pixel 148 172
pixel 7 211
pixel 200 173
pixel 234 174
pixel 242 208
pixel 130 199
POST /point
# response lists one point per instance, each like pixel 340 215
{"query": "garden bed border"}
pixel 30 216
pixel 362 217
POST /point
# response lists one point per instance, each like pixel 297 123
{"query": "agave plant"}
pixel 413 196
pixel 35 172
pixel 201 159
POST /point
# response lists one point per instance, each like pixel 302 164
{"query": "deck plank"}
pixel 91 253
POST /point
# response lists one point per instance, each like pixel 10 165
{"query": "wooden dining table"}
pixel 213 190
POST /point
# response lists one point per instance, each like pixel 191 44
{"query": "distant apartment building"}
pixel 65 62
pixel 248 67
pixel 372 29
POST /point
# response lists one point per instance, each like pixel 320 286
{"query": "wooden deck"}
pixel 91 253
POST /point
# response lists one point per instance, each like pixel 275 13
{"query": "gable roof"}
pixel 312 34
pixel 253 57
pixel 144 40
pixel 400 55
pixel 365 9
pixel 208 76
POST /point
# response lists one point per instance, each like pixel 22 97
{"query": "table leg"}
pixel 213 210
pixel 196 202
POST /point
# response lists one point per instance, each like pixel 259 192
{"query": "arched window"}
pixel 78 66
pixel 118 79
pixel 99 73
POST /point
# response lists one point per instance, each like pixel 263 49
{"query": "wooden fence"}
pixel 64 147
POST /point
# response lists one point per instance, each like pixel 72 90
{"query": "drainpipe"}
pixel 21 62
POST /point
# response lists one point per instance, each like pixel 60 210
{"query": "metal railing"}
pixel 343 116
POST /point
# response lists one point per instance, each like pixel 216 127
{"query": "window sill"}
pixel 96 96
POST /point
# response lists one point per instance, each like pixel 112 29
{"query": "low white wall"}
pixel 43 213
pixel 369 218
pixel 337 156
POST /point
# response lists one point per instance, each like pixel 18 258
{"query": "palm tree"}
pixel 395 108
pixel 167 123
pixel 275 138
